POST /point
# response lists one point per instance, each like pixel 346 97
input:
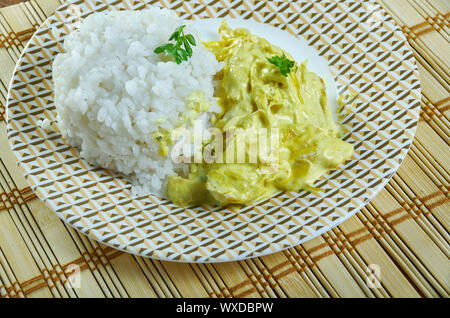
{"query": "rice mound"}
pixel 112 92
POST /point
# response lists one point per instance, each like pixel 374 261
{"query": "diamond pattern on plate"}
pixel 369 55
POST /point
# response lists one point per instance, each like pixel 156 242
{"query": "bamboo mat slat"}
pixel 404 230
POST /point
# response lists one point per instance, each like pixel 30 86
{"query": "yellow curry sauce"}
pixel 195 105
pixel 254 94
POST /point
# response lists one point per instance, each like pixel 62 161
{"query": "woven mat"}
pixel 401 236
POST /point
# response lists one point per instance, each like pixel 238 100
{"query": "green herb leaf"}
pixel 183 54
pixel 174 35
pixel 191 39
pixel 283 63
pixel 168 49
pixel 180 28
pixel 174 50
pixel 187 47
pixel 162 48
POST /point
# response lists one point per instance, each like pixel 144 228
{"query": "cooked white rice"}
pixel 112 92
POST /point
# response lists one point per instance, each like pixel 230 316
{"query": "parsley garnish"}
pixel 175 50
pixel 283 63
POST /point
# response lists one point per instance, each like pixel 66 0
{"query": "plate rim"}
pixel 317 233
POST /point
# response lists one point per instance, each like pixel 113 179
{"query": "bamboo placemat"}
pixel 403 232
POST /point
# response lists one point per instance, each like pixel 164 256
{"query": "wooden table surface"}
pixel 4 3
pixel 404 228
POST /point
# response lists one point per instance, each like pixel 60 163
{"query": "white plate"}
pixel 365 51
